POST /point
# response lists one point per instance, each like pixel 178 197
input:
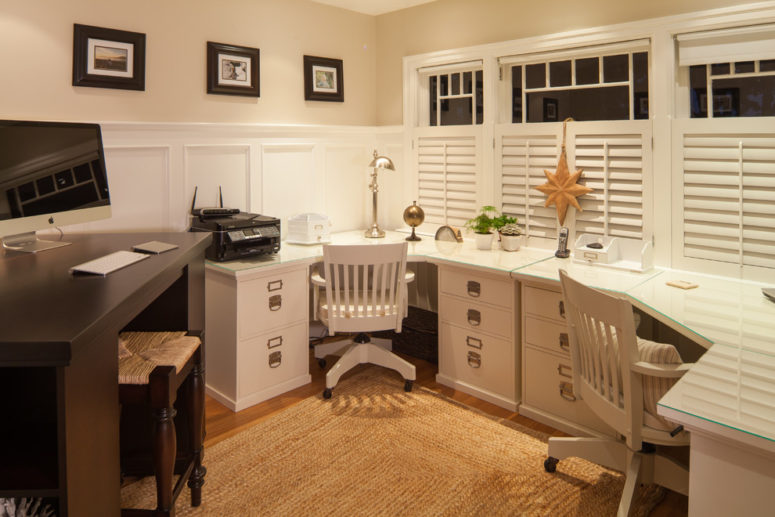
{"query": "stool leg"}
pixel 164 450
pixel 196 411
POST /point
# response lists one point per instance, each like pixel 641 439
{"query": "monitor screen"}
pixel 51 174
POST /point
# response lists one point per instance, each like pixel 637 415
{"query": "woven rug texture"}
pixel 374 449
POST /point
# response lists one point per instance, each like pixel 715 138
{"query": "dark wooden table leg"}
pixel 196 400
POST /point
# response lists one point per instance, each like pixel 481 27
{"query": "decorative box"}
pixel 615 252
pixel 309 228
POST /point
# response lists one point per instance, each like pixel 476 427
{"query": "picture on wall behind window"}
pixel 550 110
pixel 323 79
pixel 108 58
pixel 232 70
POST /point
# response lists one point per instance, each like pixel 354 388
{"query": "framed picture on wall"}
pixel 233 70
pixel 108 58
pixel 550 110
pixel 323 79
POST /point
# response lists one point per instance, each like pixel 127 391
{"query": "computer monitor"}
pixel 51 174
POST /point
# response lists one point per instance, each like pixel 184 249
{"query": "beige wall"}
pixel 36 46
pixel 449 24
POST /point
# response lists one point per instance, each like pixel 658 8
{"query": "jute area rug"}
pixel 374 449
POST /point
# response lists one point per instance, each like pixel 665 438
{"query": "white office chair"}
pixel 613 370
pixel 365 291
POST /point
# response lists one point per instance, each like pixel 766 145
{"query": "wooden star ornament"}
pixel 561 188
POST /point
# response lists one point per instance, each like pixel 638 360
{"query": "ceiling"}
pixel 373 7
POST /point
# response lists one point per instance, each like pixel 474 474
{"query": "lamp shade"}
pixel 382 162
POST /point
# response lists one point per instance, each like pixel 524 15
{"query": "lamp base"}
pixel 375 232
pixel 414 236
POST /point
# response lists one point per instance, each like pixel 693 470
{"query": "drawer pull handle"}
pixel 474 317
pixel 275 302
pixel 562 369
pixel 474 342
pixel 566 391
pixel 474 289
pixel 274 285
pixel 275 359
pixel 561 307
pixel 564 342
pixel 474 359
pixel 274 342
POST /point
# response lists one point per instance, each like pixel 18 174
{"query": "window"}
pixel 455 95
pixel 739 89
pixel 607 86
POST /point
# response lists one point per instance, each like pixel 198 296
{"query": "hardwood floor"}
pixel 221 423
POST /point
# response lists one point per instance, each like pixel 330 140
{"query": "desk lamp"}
pixel 379 162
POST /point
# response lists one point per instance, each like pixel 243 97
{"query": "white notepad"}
pixel 109 263
pixel 154 247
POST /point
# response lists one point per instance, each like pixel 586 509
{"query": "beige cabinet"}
pixel 547 376
pixel 477 331
pixel 257 333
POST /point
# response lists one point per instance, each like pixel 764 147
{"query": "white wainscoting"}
pixel 276 170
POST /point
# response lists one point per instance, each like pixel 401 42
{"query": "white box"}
pixel 308 228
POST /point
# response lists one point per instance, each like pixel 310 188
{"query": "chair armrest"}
pixel 409 277
pixel 316 279
pixel 662 369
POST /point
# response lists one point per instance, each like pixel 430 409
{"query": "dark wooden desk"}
pixel 59 410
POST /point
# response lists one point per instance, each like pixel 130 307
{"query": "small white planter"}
pixel 483 241
pixel 511 242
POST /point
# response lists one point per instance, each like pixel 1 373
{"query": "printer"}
pixel 237 235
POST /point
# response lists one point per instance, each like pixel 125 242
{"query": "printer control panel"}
pixel 248 234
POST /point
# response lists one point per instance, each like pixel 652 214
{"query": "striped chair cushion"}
pixel 654 388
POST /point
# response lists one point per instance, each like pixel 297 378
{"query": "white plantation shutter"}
pixel 728 196
pixel 616 160
pixel 614 157
pixel 523 158
pixel 448 171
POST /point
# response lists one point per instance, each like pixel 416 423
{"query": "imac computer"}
pixel 51 174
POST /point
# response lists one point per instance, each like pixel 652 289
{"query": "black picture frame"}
pixel 323 79
pixel 108 58
pixel 550 110
pixel 233 70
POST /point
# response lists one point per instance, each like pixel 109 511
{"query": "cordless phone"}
pixel 562 244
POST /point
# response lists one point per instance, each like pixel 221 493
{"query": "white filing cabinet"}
pixel 257 333
pixel 547 376
pixel 477 334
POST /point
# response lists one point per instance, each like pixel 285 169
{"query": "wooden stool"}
pixel 152 367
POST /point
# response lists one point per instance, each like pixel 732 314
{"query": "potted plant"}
pixel 511 236
pixel 483 224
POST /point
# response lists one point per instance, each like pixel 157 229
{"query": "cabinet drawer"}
pixel 548 335
pixel 545 303
pixel 271 301
pixel 463 283
pixel 473 316
pixel 481 361
pixel 272 358
pixel 549 386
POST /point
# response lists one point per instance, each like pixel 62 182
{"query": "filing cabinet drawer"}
pixel 476 317
pixel 544 303
pixel 477 287
pixel 271 301
pixel 548 335
pixel 549 387
pixel 481 361
pixel 272 358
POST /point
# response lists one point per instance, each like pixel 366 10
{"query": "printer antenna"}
pixel 193 201
pixel 220 195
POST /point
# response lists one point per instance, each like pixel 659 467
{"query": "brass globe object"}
pixel 414 216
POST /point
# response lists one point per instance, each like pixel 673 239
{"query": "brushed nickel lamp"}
pixel 379 162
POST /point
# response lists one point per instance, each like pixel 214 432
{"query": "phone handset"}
pixel 562 244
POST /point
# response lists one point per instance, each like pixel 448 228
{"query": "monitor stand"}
pixel 29 243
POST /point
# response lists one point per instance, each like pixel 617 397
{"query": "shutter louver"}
pixel 523 160
pixel 447 178
pixel 613 167
pixel 729 198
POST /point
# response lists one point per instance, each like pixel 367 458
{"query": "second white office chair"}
pixel 613 371
pixel 364 291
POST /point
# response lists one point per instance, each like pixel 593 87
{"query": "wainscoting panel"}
pixel 347 198
pixel 289 181
pixel 210 166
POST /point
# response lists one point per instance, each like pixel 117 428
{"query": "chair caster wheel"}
pixel 322 363
pixel 327 393
pixel 550 464
pixel 408 385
